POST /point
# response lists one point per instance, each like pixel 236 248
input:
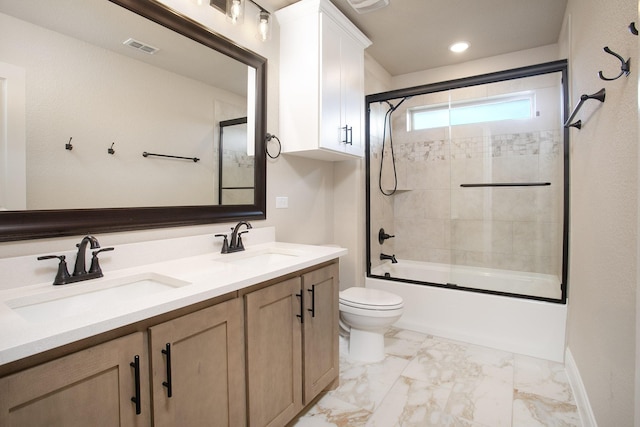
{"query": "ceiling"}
pixel 414 35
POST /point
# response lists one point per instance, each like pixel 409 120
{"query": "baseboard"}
pixel 579 392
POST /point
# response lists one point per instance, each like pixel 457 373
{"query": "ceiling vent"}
pixel 364 6
pixel 141 46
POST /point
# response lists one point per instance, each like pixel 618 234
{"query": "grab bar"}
pixel 598 95
pixel 145 154
pixel 508 184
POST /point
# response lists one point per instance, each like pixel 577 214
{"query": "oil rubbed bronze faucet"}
pixel 80 272
pixel 80 267
pixel 389 257
pixel 234 244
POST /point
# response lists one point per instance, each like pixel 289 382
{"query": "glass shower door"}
pixel 507 186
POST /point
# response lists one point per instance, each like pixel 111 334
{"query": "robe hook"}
pixel 633 29
pixel 625 67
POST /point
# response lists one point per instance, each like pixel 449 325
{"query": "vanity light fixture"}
pixel 459 47
pixel 264 23
pixel 264 27
pixel 235 11
pixel 235 14
pixel 221 5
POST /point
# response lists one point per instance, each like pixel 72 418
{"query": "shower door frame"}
pixel 560 66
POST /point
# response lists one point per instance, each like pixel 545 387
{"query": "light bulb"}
pixel 263 26
pixel 235 11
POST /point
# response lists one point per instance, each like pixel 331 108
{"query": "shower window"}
pixel 510 107
pixel 470 177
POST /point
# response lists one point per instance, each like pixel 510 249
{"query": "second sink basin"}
pixel 69 300
pixel 263 259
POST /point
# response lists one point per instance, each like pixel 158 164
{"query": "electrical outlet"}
pixel 282 202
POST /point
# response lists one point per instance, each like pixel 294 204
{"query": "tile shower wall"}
pixel 509 228
pixel 436 220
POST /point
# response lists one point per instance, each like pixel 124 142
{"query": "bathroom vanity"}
pixel 249 338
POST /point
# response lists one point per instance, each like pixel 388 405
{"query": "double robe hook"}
pixel 625 67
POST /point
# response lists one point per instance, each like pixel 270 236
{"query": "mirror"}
pixel 81 168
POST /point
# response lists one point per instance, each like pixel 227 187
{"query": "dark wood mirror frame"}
pixel 24 225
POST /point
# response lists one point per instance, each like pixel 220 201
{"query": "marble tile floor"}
pixel 430 381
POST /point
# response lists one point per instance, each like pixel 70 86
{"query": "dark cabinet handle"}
pixel 301 315
pixel 313 301
pixel 346 134
pixel 136 370
pixel 168 383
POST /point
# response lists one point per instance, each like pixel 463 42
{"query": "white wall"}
pixel 604 212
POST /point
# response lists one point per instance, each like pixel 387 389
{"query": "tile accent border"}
pixel 579 392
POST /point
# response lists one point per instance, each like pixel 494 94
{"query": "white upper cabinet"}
pixel 321 82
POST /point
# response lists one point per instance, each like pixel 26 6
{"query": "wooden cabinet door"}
pixel 320 330
pixel 92 387
pixel 199 358
pixel 274 353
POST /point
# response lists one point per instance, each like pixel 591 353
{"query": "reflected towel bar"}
pixel 598 95
pixel 145 154
pixel 508 184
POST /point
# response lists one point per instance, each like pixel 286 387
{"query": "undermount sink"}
pixel 70 300
pixel 262 259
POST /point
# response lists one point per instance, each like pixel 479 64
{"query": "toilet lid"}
pixel 370 298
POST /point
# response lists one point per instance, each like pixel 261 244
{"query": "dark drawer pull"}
pixel 301 315
pixel 136 370
pixel 168 384
pixel 313 301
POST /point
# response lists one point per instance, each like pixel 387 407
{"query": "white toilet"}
pixel 365 314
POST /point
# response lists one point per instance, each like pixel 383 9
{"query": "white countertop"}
pixel 206 275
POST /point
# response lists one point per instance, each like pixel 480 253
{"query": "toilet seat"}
pixel 370 299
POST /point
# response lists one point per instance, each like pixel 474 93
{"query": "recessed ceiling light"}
pixel 459 47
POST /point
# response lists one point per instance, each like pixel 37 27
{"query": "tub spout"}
pixel 391 257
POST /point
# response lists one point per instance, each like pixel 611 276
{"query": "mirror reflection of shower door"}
pixel 236 168
pixel 480 176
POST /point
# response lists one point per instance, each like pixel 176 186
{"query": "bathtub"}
pixel 514 282
pixel 524 326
